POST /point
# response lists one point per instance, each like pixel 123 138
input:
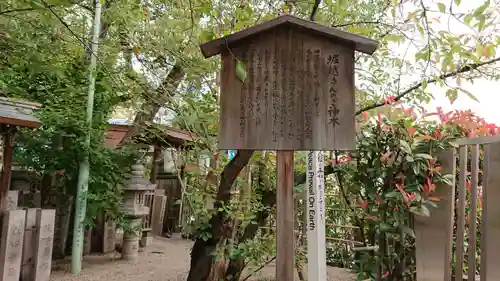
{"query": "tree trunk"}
pixel 264 191
pixel 151 105
pixel 236 266
pixel 202 257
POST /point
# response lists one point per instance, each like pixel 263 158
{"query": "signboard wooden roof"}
pixel 18 113
pixel 288 84
pixel 356 42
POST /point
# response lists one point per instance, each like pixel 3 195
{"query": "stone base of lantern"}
pixel 130 246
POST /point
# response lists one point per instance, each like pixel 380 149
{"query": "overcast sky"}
pixel 486 91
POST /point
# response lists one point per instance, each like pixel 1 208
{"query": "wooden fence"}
pixel 436 235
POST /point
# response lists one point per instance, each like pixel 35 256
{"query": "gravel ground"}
pixel 165 260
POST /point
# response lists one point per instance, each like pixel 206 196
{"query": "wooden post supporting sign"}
pixel 285 215
pixel 287 85
pixel 315 186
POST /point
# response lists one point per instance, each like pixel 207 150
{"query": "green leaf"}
pixel 479 49
pixel 393 194
pixel 299 188
pixel 385 227
pixel 482 8
pixel 452 95
pixel 406 229
pixel 405 146
pixel 241 72
pixel 431 204
pixel 442 7
pixel 420 210
pixel 468 19
pixel 458 2
pixel 469 94
pixel 424 84
pixel 424 156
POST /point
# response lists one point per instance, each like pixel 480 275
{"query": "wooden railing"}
pixel 434 234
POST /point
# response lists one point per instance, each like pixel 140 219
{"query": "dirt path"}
pixel 165 260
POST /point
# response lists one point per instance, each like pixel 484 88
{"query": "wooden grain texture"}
pixel 159 204
pixel 298 93
pixel 285 236
pixel 490 242
pixel 461 212
pixel 338 36
pixel 11 246
pixel 434 234
pixel 473 212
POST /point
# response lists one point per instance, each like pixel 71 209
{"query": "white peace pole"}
pixel 315 201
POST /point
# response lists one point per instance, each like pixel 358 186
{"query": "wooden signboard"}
pixel 298 93
pixel 287 85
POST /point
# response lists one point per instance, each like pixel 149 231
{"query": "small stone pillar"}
pixel 134 208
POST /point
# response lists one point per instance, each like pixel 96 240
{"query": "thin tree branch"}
pixel 315 9
pixel 463 69
pixel 18 10
pixel 258 269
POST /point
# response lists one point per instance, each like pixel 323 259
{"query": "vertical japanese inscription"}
pixel 299 71
pixel 291 94
pixel 258 89
pixel 275 95
pixel 242 107
pixel 308 105
pixel 250 85
pixel 267 56
pixel 317 84
pixel 284 109
pixel 333 73
pixel 14 243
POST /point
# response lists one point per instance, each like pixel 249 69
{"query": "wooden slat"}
pixel 473 212
pixel 434 234
pixel 461 212
pixel 285 238
pixel 341 226
pixel 479 140
pixel 490 242
pixel 343 240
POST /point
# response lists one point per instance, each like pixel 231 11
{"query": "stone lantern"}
pixel 135 209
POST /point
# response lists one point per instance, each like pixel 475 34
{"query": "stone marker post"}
pixel 45 222
pixel 11 246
